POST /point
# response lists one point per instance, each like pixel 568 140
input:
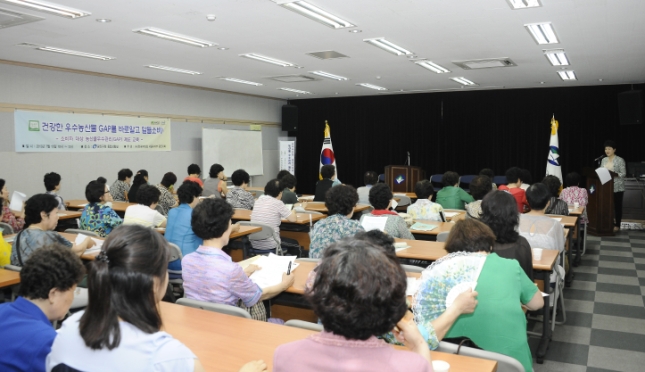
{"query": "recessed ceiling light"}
pixel 355 31
pixel 541 82
pixel 223 48
pixel 371 86
pixel 51 8
pixel 463 81
pixel 412 56
pixel 234 80
pixel 557 57
pixel 388 46
pixel 163 34
pixel 103 20
pixel 266 59
pixel 313 12
pixel 295 90
pixel 599 79
pixel 173 69
pixel 329 76
pixel 211 17
pixel 74 53
pixel 567 75
pixel 523 4
pixel 432 67
pixel 542 33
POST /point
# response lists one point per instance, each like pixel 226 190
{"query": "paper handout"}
pixel 422 227
pixel 413 286
pixel 603 175
pixel 98 243
pixel 17 201
pixel 373 223
pixel 272 268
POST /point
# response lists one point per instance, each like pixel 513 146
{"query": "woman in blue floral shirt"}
pixel 97 215
pixel 340 202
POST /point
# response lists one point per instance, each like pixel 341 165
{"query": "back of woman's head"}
pixel 470 235
pixel 215 169
pixel 188 191
pixel 93 191
pixel 168 179
pixel 538 196
pixel 341 199
pixel 572 179
pixel 499 212
pixel 450 178
pixel 139 180
pixel 424 189
pixel 123 283
pixel 380 196
pixel 359 290
pixel 553 183
pixel 480 186
pixel 37 204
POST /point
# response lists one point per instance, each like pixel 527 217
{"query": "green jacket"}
pixel 451 197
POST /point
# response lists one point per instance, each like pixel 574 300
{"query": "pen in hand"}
pixel 289 269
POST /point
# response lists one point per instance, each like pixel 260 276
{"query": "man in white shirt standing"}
pixel 145 213
pixel 270 210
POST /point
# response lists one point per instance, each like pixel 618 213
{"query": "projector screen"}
pixel 233 149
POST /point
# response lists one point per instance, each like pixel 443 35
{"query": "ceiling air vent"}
pixel 10 18
pixel 292 78
pixel 327 54
pixel 476 64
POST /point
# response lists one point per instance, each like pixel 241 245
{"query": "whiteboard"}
pixel 233 149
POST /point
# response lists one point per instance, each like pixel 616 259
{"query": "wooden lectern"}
pixel 600 209
pixel 402 178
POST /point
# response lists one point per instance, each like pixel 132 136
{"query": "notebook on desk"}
pixel 422 227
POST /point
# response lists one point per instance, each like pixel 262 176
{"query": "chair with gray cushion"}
pixel 6 229
pixel 412 268
pixel 304 325
pixel 217 308
pixel 267 232
pixel 84 232
pixel 174 276
pixel 443 236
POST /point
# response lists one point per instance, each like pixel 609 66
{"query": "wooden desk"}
pixel 320 207
pixel 117 206
pixel 68 215
pixel 302 218
pixel 432 234
pixel 245 230
pixel 461 214
pixel 422 250
pixel 542 270
pixel 226 343
pixel 9 278
pixel 576 211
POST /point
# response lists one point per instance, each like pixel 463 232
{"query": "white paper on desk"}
pixel 17 201
pixel 413 286
pixel 80 238
pixel 603 175
pixel 273 266
pixel 310 197
pixel 450 214
pixel 394 204
pixel 373 223
pixel 558 219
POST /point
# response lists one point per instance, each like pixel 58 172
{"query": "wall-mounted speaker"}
pixel 630 107
pixel 289 118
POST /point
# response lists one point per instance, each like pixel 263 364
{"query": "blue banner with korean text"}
pixel 41 131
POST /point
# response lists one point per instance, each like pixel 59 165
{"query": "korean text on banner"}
pixel 39 131
pixel 288 156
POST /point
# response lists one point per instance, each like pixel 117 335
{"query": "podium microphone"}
pixel 598 158
pixel 408 157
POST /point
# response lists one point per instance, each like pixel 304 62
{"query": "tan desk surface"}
pixel 546 263
pixel 320 207
pixel 441 227
pixel 303 218
pixel 461 214
pixel 567 221
pixel 8 277
pixel 80 204
pixel 410 195
pixel 422 250
pixel 67 215
pixel 576 211
pixel 226 343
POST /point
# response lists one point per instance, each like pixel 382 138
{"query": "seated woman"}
pixel 237 196
pixel 17 223
pixel 381 200
pixel 289 192
pixel 498 323
pixel 216 184
pixel 193 175
pixel 52 183
pixel 47 284
pixel 41 218
pixel 145 213
pixel 179 231
pixel 210 275
pixel 451 196
pixel 167 199
pixel 120 330
pixel 370 178
pixel 139 180
pixel 340 202
pixel 499 212
pixel 121 186
pixel 479 187
pixel 556 206
pixel 328 174
pixel 424 208
pixel 539 230
pixel 97 215
pixel 574 194
pixel 365 300
pixel 514 182
pixel 490 174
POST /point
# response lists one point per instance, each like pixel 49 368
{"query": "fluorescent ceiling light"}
pixel 388 46
pixel 542 33
pixel 52 8
pixel 557 57
pixel 371 86
pixel 567 75
pixel 166 68
pixel 295 90
pixel 463 81
pixel 266 59
pixel 329 76
pixel 317 14
pixel 74 53
pixel 234 80
pixel 151 31
pixel 432 67
pixel 523 4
